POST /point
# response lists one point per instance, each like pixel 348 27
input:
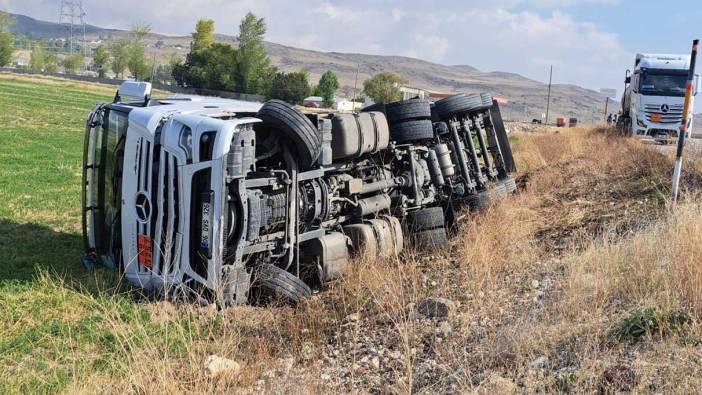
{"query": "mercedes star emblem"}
pixel 143 207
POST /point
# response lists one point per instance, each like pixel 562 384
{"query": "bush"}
pixel 647 321
pixel 290 87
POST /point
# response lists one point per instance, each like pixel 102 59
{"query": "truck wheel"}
pixel 426 228
pixel 424 219
pixel 486 98
pixel 456 104
pixel 271 284
pixel 407 110
pixel 280 116
pixel 486 199
pixel 411 131
pixel 510 185
pixel 430 240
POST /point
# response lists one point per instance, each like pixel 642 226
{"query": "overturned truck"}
pixel 235 202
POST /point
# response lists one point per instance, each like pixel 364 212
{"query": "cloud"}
pixel 506 35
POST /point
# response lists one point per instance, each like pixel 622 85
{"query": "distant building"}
pixel 409 92
pixel 340 103
pixel 346 105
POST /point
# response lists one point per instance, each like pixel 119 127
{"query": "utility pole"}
pixel 355 86
pixel 684 121
pixel 606 107
pixel 71 13
pixel 548 99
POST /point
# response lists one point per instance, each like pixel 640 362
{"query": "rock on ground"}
pixel 215 366
pixel 435 307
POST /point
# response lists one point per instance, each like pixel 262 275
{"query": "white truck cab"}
pixel 652 104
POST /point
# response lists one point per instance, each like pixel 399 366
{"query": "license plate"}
pixel 205 228
pixel 145 250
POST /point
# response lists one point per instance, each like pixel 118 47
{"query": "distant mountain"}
pixel 35 28
pixel 527 97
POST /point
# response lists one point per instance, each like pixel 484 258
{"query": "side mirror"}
pixel 134 90
pixel 627 80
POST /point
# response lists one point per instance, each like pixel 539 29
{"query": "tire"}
pixel 456 104
pixel 426 219
pixel 279 115
pixel 411 131
pixel 510 185
pixel 486 98
pixel 486 199
pixel 430 240
pixel 407 110
pixel 272 284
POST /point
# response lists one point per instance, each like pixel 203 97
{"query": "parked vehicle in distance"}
pixel 235 202
pixel 560 122
pixel 652 103
pixel 572 122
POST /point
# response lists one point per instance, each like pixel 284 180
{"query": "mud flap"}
pixel 502 138
pixel 235 285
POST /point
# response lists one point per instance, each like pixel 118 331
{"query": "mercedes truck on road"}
pixel 652 105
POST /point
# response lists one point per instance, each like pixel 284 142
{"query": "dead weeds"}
pixel 537 285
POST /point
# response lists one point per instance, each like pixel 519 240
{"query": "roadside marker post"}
pixel 684 121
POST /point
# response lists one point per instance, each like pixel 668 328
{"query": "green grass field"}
pixel 59 322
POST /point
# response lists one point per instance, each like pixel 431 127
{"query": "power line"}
pixel 72 14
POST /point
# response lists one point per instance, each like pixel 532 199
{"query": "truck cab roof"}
pixel 662 61
pixel 148 116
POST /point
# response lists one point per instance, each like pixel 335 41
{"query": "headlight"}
pixel 186 142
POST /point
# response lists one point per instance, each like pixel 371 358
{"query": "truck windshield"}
pixel 106 188
pixel 663 84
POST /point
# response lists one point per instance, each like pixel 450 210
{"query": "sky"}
pixel 589 42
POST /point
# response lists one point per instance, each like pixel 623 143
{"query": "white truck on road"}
pixel 652 105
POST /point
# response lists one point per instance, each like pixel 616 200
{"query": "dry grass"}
pixel 589 238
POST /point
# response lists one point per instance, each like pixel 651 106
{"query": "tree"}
pixel 73 62
pixel 384 87
pixel 6 39
pixel 37 59
pixel 290 87
pixel 101 60
pixel 211 68
pixel 327 87
pixel 137 53
pixel 119 50
pixel 50 62
pixel 254 67
pixel 203 36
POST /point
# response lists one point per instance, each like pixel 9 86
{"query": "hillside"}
pixel 527 98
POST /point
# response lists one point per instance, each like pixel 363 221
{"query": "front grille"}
pixel 672 116
pixel 157 177
pixel 166 221
pixel 144 182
